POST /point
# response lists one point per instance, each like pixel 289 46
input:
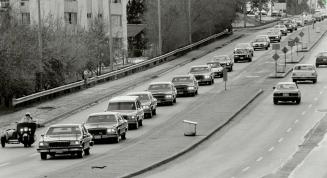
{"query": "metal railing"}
pixel 141 65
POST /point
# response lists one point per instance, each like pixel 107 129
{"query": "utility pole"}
pixel 244 13
pixel 189 21
pixel 260 9
pixel 110 38
pixel 39 34
pixel 159 28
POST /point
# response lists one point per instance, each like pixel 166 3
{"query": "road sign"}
pixel 275 56
pixel 291 43
pixel 276 46
pixel 301 34
pixel 225 74
pixel 285 50
pixel 297 40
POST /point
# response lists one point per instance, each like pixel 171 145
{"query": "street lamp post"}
pixel 159 28
pixel 111 64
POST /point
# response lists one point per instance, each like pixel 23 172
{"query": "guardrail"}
pixel 125 71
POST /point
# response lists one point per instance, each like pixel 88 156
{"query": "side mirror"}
pixel 274 88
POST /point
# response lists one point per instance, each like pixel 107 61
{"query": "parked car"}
pixel 321 59
pixel 216 68
pixel 164 92
pixel 243 51
pixel 186 85
pixel 261 43
pixel 130 108
pixel 203 74
pixel 282 29
pixel 286 91
pixel 225 61
pixel 273 36
pixel 107 126
pixel 303 72
pixel 71 139
pixel 148 102
pixel 299 22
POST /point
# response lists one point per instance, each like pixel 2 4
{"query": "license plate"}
pixel 241 57
pixel 180 92
pixel 60 150
pixel 97 136
pixel 285 94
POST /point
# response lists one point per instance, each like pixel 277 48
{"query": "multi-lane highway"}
pixel 255 144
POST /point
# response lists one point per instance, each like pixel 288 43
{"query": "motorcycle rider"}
pixel 28 118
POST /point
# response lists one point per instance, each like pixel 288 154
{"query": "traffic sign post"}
pixel 225 77
pixel 275 57
pixel 291 43
pixel 296 40
pixel 301 35
pixel 285 50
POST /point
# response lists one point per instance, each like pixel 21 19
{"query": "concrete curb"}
pixel 193 146
pixel 89 104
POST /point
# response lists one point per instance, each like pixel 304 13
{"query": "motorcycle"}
pixel 24 133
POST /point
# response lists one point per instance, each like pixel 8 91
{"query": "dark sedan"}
pixel 186 85
pixel 164 92
pixel 225 61
pixel 321 59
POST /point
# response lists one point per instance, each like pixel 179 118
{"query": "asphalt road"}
pixel 17 161
pixel 260 140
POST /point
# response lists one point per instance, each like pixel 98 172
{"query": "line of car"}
pixel 129 111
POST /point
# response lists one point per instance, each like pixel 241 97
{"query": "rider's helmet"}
pixel 28 114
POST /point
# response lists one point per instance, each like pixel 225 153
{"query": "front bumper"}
pixel 218 74
pixel 305 78
pixel 60 150
pixel 107 136
pixel 274 38
pixel 161 99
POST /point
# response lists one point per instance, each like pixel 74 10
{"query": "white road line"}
pixel 280 140
pixel 246 169
pixel 310 105
pixel 259 159
pixel 4 164
pixel 316 99
pixel 34 154
pixel 289 129
pixel 303 113
pixel 296 121
pixel 271 149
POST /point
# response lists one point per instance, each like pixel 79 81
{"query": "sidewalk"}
pixel 63 106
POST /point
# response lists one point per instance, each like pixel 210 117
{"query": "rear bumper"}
pixel 60 150
pixel 286 98
pixel 241 57
pixel 304 78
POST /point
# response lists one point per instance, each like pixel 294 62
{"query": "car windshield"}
pixel 271 33
pixel 142 97
pixel 303 68
pixel 199 69
pixel 323 54
pixel 240 51
pixel 121 106
pixel 260 40
pixel 182 79
pixel 242 45
pixel 220 58
pixel 286 86
pixel 214 64
pixel 160 87
pixel 102 118
pixel 66 130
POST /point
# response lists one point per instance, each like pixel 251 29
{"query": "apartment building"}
pixel 74 14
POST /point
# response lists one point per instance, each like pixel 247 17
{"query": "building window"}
pixel 115 1
pixel 89 15
pixel 26 18
pixel 71 18
pixel 116 20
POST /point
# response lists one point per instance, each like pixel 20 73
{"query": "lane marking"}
pixel 246 169
pixel 289 129
pixel 4 164
pixel 259 159
pixel 280 140
pixel 303 113
pixel 296 121
pixel 316 99
pixel 310 105
pixel 271 149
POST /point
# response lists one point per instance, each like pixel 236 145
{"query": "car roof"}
pixel 138 92
pixel 155 83
pixel 200 66
pixel 123 98
pixel 281 83
pixel 103 113
pixel 187 75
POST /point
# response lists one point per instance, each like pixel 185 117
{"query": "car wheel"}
pixel 87 151
pixel 267 47
pixel 298 101
pixel 43 156
pixel 213 81
pixel 123 136
pixel 80 154
pixel 250 59
pixel 294 81
pixel 154 112
pixel 3 142
pixel 314 81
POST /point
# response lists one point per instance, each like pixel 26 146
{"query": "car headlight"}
pixel 133 117
pixel 190 88
pixel 25 129
pixel 111 130
pixel 168 96
pixel 207 76
pixel 43 144
pixel 75 142
pixel 21 130
pixel 146 107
